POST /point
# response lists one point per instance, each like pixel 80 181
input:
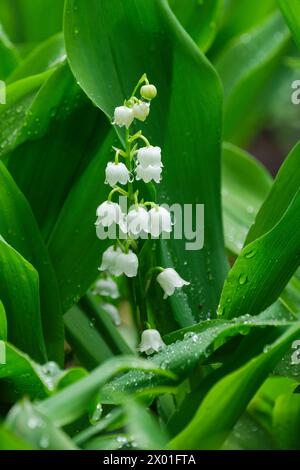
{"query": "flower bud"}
pixel 148 92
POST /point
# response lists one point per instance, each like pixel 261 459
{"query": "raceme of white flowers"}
pixel 144 219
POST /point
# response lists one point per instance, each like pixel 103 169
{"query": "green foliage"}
pixel 71 376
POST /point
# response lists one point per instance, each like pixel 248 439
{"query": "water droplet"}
pixel 250 253
pixel 243 279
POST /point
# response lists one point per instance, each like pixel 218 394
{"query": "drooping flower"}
pixel 169 280
pixel 109 259
pixel 151 342
pixel 113 312
pixel 141 110
pixel 116 173
pixel 126 263
pixel 109 213
pixel 123 116
pixel 149 156
pixel 149 173
pixel 160 221
pixel 106 288
pixel 137 221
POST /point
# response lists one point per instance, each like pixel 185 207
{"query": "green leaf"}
pixel 245 67
pixel 266 264
pixel 286 421
pixel 73 401
pixel 19 292
pixel 45 56
pixel 142 427
pixel 9 55
pixel 19 228
pixel 245 185
pixel 3 323
pixel 31 20
pixel 188 347
pixel 107 66
pixel 28 423
pixel 227 400
pixel 9 441
pixel 87 344
pixel 19 97
pixel 199 19
pixel 291 12
pixel 21 376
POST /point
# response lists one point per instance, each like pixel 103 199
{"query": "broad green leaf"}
pixel 3 323
pixel 188 347
pixel 283 192
pixel 9 441
pixel 45 56
pixel 245 67
pixel 107 62
pixel 9 55
pixel 25 421
pixel 286 421
pixel 199 19
pixel 74 231
pixel 21 376
pixel 245 185
pixel 87 344
pixel 227 400
pixel 20 230
pixel 267 262
pixel 239 17
pixel 291 12
pixel 247 434
pixel 19 292
pixel 19 97
pixel 109 442
pixel 142 427
pixel 53 137
pixel 31 20
pixel 72 402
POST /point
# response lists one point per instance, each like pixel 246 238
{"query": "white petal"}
pixel 107 288
pixel 160 221
pixel 169 280
pixel 108 213
pixel 137 221
pixel 149 173
pixel 151 341
pixel 109 258
pixel 149 156
pixel 127 263
pixel 116 173
pixel 113 312
pixel 141 110
pixel 123 116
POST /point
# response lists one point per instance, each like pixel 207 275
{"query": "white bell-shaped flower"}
pixel 116 173
pixel 108 213
pixel 149 173
pixel 109 259
pixel 106 288
pixel 150 342
pixel 149 156
pixel 169 280
pixel 160 221
pixel 141 110
pixel 138 221
pixel 126 263
pixel 123 116
pixel 113 312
